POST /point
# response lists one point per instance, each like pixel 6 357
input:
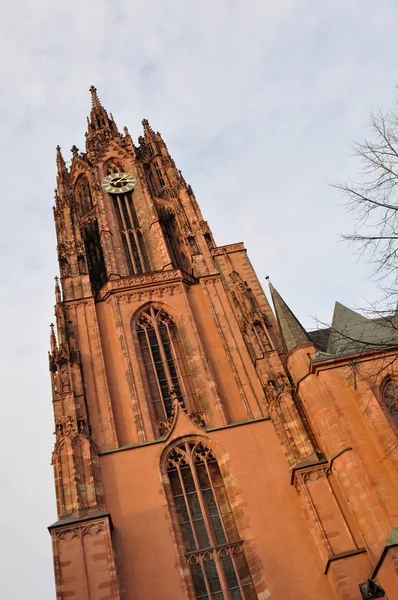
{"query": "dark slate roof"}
pixel 320 337
pixel 351 332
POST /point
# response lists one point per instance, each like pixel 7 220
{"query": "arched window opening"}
pixel 95 258
pixel 213 549
pixel 129 227
pixel 390 397
pixel 84 198
pixel 159 174
pixel 165 363
pixel 170 229
pixel 131 234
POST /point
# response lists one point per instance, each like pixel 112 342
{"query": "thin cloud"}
pixel 258 103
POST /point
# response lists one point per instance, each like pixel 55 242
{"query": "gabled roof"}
pixel 351 332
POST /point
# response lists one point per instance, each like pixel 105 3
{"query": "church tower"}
pixel 186 464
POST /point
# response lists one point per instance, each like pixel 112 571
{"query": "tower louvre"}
pixel 181 425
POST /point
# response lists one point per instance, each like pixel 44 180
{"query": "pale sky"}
pixel 258 102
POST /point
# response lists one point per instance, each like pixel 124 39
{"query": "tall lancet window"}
pixel 165 363
pixel 83 195
pixel 213 549
pixel 129 227
pixel 390 397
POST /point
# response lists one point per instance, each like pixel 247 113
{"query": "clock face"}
pixel 119 183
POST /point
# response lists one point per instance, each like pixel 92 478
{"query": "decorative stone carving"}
pixel 276 385
pixel 151 294
pixel 220 250
pixel 64 372
pixel 165 425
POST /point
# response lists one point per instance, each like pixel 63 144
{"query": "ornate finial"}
pixel 126 131
pixel 74 150
pixel 94 97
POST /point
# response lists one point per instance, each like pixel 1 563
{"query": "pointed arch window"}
pixel 129 227
pixel 165 364
pixel 390 397
pixel 213 549
pixel 84 198
pixel 94 254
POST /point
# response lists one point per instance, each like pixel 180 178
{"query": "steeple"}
pixel 293 333
pixel 100 125
pixel 94 98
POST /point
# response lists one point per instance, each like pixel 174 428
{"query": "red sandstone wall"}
pixel 280 549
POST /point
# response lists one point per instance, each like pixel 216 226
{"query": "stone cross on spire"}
pixel 94 98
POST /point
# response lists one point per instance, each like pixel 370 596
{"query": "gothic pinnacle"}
pixel 94 97
pixel 61 166
pixel 148 131
pixel 53 340
pixel 57 290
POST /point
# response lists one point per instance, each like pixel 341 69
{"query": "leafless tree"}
pixel 374 201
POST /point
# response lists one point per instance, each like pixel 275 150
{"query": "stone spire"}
pixel 100 125
pixel 94 98
pixel 292 332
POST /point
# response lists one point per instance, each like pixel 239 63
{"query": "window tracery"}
pixel 390 397
pixel 213 549
pixel 128 224
pixel 165 363
pixel 83 194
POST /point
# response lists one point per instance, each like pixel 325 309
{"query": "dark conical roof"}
pixel 293 333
